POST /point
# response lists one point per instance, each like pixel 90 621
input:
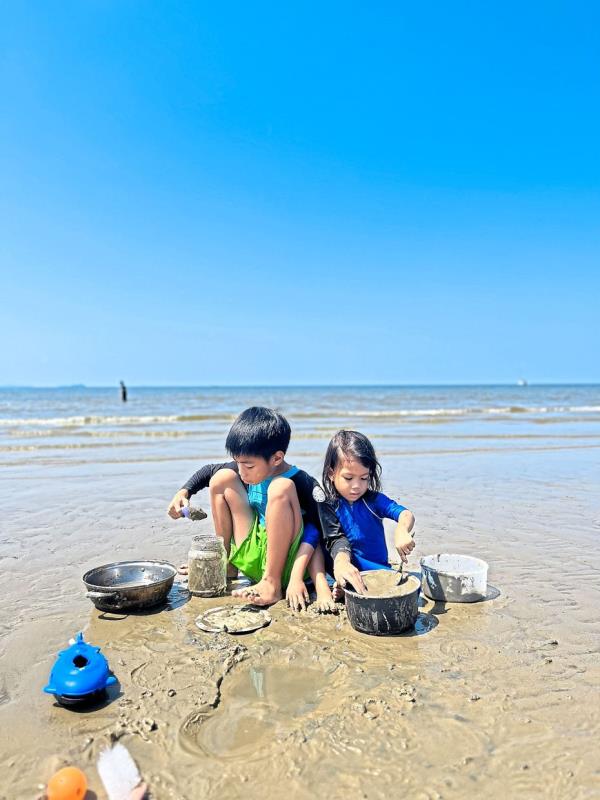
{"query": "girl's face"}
pixel 350 478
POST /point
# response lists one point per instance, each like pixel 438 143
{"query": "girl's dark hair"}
pixel 258 431
pixel 353 446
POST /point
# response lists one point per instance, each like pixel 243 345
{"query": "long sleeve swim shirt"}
pixel 315 510
pixel 362 522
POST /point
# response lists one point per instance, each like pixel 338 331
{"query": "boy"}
pixel 258 501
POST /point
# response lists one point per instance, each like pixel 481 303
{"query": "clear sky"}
pixel 339 192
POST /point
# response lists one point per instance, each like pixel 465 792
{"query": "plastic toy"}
pixel 80 674
pixel 69 783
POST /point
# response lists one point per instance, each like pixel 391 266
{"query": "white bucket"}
pixel 454 578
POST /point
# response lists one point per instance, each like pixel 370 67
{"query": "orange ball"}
pixel 68 783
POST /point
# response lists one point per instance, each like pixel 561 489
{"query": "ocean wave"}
pixel 82 421
pixel 464 412
pixel 99 421
pixel 108 433
pixel 57 459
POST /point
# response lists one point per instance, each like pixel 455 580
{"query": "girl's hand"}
pixel 403 535
pixel 404 543
pixel 404 550
pixel 297 595
pixel 179 501
pixel 345 572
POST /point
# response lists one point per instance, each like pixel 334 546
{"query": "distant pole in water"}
pixel 123 392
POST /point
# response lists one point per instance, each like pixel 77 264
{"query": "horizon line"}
pixel 115 386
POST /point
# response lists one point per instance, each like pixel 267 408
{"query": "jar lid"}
pixel 207 541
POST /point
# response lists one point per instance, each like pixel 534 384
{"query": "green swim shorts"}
pixel 251 556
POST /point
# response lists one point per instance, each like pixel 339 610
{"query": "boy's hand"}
pixel 345 572
pixel 297 595
pixel 179 501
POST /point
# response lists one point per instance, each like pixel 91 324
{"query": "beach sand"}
pixel 496 699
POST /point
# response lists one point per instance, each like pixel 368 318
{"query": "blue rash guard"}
pixel 362 523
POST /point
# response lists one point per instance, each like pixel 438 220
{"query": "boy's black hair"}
pixel 258 431
pixel 353 446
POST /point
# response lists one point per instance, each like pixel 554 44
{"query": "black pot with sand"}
pixel 388 607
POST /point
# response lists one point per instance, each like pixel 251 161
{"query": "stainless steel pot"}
pixel 129 585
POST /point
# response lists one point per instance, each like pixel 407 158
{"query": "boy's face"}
pixel 351 479
pixel 256 469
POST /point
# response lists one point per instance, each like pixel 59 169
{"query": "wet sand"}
pixel 385 583
pixel 495 699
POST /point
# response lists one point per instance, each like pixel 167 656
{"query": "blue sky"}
pixel 270 193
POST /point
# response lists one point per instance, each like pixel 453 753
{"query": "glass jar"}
pixel 207 566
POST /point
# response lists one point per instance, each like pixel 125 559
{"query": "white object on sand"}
pixel 118 772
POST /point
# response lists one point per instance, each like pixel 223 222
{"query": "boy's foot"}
pixel 337 592
pixel 183 569
pixel 264 593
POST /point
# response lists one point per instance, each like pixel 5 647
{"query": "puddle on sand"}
pixel 257 704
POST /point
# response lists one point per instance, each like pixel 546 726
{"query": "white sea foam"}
pixel 464 412
pixel 409 412
pixel 78 422
pixel 98 421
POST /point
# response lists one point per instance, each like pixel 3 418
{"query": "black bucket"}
pixel 386 615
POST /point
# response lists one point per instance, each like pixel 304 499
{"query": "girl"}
pixel 352 482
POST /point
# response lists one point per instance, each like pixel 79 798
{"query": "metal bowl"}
pixel 129 585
